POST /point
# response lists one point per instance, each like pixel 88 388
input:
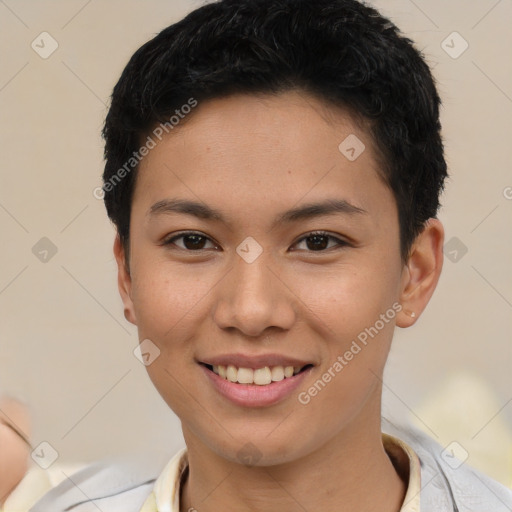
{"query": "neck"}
pixel 350 472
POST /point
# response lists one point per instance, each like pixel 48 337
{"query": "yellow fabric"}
pixel 406 457
pixel 33 486
pixel 150 504
pixel 166 491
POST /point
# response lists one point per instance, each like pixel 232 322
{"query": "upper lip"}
pixel 256 361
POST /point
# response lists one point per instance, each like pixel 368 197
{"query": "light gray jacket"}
pixel 123 485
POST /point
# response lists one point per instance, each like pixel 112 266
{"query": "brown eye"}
pixel 193 242
pixel 190 241
pixel 319 242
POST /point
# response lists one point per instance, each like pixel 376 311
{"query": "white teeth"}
pixel 231 373
pixel 277 373
pixel 260 376
pixel 245 376
pixel 288 371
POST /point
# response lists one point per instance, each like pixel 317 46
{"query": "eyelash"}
pixel 340 243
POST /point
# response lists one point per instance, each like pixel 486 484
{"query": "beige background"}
pixel 65 346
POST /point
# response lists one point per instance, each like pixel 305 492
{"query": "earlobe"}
pixel 421 273
pixel 124 281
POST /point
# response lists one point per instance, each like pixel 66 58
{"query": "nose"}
pixel 253 298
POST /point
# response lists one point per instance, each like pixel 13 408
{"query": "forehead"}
pixel 257 152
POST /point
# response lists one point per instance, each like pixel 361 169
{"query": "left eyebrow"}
pixel 311 210
pixel 303 212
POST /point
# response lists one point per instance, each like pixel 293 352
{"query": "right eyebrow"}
pixel 186 207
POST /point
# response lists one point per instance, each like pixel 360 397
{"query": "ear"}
pixel 421 273
pixel 124 281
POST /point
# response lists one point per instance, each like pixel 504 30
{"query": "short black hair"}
pixel 343 52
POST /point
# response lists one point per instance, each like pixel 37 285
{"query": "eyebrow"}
pixel 304 212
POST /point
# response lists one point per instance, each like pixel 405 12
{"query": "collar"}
pixel 165 496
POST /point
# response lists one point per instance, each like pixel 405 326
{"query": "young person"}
pixel 273 170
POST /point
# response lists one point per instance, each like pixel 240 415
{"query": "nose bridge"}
pixel 252 298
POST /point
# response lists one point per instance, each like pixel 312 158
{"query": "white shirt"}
pixel 129 485
pixel 165 496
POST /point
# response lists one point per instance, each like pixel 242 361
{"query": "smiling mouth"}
pixel 259 376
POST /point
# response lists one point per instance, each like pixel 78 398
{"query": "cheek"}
pixel 354 315
pixel 167 303
pixel 356 344
pixel 166 297
pixel 347 299
pixel 170 303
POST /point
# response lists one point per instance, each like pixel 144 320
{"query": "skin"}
pixel 253 157
pixel 15 452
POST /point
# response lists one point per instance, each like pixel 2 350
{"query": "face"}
pixel 252 275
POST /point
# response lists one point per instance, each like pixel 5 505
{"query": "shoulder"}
pixel 448 484
pixel 120 484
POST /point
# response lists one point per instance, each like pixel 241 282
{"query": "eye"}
pixel 192 241
pixel 318 241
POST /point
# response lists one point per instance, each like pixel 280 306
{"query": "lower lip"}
pixel 252 395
